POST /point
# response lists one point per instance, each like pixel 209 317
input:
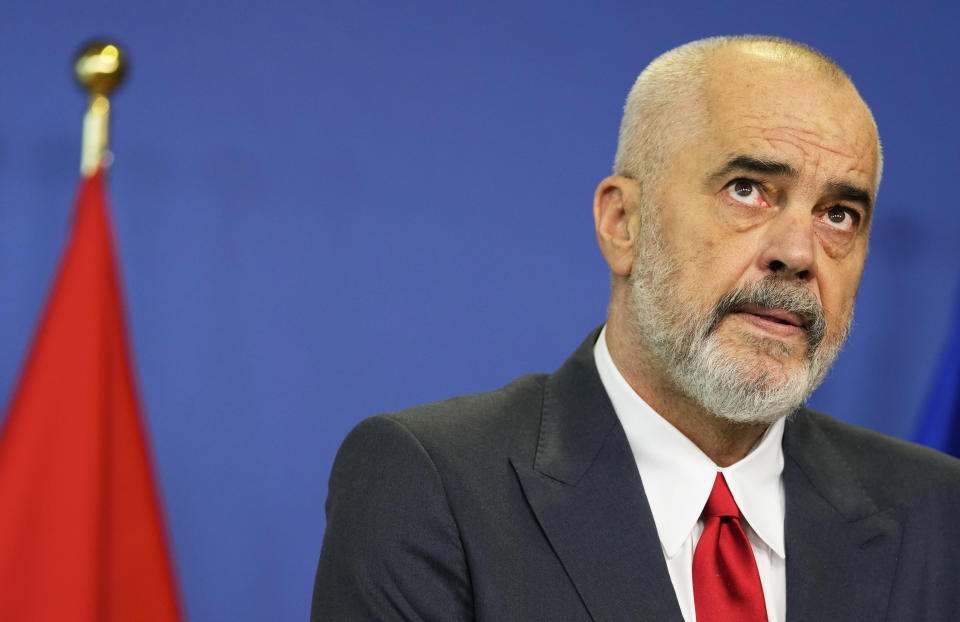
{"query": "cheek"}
pixel 713 264
pixel 739 216
pixel 837 296
pixel 713 246
pixel 722 251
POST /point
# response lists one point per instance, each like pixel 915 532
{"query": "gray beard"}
pixel 707 368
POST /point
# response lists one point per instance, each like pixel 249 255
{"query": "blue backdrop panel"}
pixel 326 210
pixel 939 423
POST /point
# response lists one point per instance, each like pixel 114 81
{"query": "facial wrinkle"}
pixel 806 137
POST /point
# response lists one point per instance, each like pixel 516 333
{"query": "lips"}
pixel 773 320
pixel 781 316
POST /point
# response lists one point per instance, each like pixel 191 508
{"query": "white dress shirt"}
pixel 677 478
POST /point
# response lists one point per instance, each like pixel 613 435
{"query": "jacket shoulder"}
pixel 894 471
pixel 498 422
pixel 393 547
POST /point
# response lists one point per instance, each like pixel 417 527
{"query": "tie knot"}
pixel 721 503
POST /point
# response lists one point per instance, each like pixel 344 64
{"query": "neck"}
pixel 723 441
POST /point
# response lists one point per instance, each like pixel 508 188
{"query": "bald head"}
pixel 669 102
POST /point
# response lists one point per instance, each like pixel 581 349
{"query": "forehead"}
pixel 791 109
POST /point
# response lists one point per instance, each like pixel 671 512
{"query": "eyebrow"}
pixel 753 164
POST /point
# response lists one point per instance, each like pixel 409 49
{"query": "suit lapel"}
pixel 841 548
pixel 587 495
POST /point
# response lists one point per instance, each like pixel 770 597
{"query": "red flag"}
pixel 81 534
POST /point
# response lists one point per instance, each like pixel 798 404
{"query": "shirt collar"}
pixel 678 477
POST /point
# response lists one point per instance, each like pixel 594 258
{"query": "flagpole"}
pixel 100 67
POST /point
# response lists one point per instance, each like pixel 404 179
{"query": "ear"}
pixel 617 221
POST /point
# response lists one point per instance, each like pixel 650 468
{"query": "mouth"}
pixel 774 320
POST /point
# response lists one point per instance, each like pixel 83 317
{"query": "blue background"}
pixel 326 210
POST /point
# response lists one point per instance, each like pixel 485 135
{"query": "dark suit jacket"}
pixel 525 504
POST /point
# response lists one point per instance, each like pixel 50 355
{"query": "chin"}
pixel 746 387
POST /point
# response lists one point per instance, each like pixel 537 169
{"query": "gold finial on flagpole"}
pixel 100 67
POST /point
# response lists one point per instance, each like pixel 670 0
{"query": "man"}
pixel 667 471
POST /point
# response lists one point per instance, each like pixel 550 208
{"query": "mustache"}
pixel 772 292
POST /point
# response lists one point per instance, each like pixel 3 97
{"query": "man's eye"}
pixel 842 218
pixel 743 188
pixel 745 192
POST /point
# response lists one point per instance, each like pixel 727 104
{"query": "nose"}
pixel 789 248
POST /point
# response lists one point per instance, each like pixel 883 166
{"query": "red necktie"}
pixel 726 584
